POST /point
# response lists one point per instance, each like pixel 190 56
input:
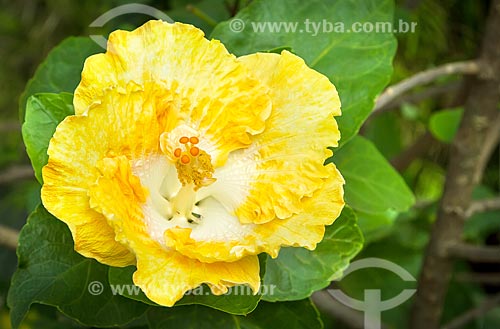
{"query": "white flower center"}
pixel 185 194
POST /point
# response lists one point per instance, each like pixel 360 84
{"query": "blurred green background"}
pixel 447 31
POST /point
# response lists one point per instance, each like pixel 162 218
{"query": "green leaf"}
pixel 384 131
pixel 428 179
pixel 290 315
pixel 297 272
pixel 372 184
pixel 43 113
pixel 51 272
pixel 376 225
pixel 239 301
pixel 359 64
pixel 122 277
pixel 444 124
pixel 61 70
pixel 187 317
pixel 300 314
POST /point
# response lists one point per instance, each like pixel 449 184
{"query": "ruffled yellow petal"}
pixel 302 230
pixel 204 86
pixel 285 162
pixel 166 276
pixel 119 195
pixel 307 228
pixel 117 126
pixel 211 251
pixel 278 188
pixel 191 162
pixel 67 177
pixel 163 274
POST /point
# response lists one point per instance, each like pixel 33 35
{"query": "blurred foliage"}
pixel 447 30
pixel 444 124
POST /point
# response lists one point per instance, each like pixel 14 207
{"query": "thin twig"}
pixel 9 126
pixel 15 173
pixel 393 92
pixel 422 204
pixel 8 237
pixel 419 96
pixel 483 308
pixel 479 254
pixel 483 206
pixel 490 278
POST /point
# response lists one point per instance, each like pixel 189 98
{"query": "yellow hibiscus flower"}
pixel 188 162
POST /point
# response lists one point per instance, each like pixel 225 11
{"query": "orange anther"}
pixel 183 140
pixel 177 152
pixel 185 159
pixel 194 140
pixel 194 150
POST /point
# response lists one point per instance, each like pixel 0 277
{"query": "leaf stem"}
pixel 201 15
pixel 16 173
